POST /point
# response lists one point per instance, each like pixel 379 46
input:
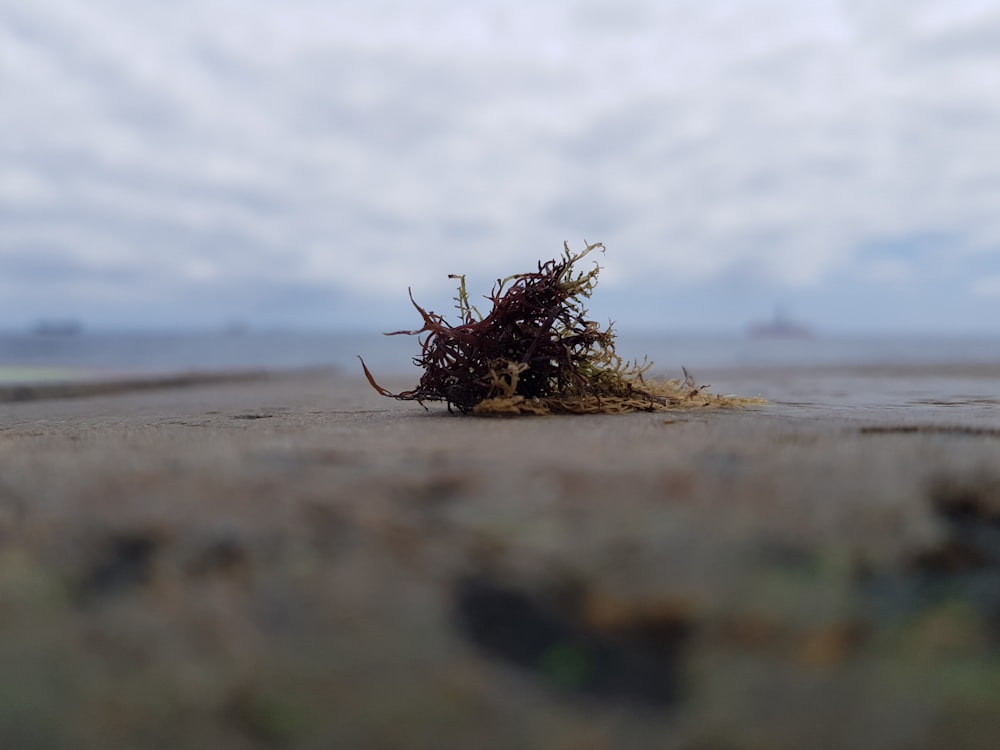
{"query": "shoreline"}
pixel 88 386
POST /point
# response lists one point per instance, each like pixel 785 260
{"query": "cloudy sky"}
pixel 303 162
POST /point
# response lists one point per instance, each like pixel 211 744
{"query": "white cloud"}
pixel 383 144
pixel 988 286
pixel 888 270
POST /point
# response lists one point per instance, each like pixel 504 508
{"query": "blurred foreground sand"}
pixel 297 562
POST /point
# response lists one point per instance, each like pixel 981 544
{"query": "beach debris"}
pixel 124 561
pixel 536 352
pixel 634 658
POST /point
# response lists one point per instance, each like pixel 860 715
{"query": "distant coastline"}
pixel 780 326
pixel 68 327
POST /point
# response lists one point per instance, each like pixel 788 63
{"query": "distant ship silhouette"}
pixel 68 327
pixel 780 326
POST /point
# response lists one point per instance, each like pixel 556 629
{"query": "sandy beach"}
pixel 295 561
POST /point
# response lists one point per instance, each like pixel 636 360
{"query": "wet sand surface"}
pixel 295 561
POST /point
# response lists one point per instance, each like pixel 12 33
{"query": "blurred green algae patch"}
pixel 14 374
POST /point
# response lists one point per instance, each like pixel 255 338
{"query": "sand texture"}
pixel 297 562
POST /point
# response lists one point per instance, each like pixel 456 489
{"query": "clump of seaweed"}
pixel 537 353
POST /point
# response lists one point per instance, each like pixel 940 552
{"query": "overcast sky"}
pixel 303 162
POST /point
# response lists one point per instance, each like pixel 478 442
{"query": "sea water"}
pixel 35 357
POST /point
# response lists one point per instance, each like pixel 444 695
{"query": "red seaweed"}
pixel 534 352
